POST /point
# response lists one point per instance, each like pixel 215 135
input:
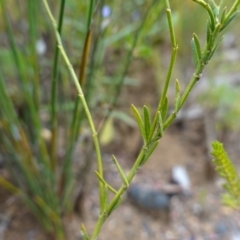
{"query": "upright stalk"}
pixel 90 14
pixel 78 115
pixel 32 18
pixel 171 65
pixel 82 98
pixel 54 92
pixel 117 196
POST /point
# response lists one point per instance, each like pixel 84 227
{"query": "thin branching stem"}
pixel 117 197
pixel 85 106
pixel 195 78
pixel 78 116
pixel 170 68
pixel 40 197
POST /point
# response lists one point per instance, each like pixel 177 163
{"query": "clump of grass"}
pixel 44 183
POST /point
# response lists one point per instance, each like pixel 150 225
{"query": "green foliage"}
pixel 45 183
pixel 227 170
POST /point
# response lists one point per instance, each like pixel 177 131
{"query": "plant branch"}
pixel 85 106
pixel 170 68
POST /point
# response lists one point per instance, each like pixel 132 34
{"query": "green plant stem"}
pixel 90 14
pixel 193 81
pixel 170 68
pixel 78 112
pixel 78 116
pixel 206 56
pixel 32 18
pixel 87 44
pixel 54 91
pixel 105 214
pixel 85 106
pixel 232 10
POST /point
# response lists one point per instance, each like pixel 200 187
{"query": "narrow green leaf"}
pixel 54 216
pixel 214 7
pixel 139 121
pixel 209 32
pixel 229 20
pixel 149 152
pixel 121 172
pixel 223 15
pixel 177 96
pixel 214 48
pixel 177 86
pixel 164 109
pixel 147 124
pixel 9 186
pixel 108 132
pixel 6 104
pixel 115 205
pixel 160 121
pixel 198 46
pixel 194 53
pixel 105 183
pixel 214 37
pixel 84 233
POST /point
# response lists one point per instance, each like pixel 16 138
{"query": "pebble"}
pixel 148 198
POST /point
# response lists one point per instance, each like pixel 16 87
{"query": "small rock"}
pixel 149 199
pixel 180 176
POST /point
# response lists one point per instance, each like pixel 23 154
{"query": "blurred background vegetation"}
pixel 112 40
pixel 119 41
